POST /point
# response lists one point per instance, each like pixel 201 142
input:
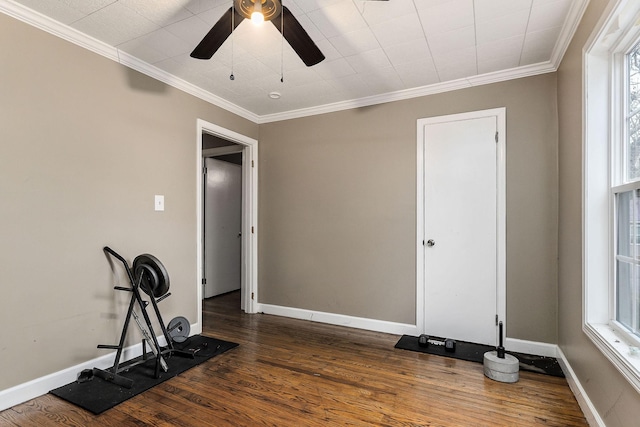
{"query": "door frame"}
pixel 249 257
pixel 421 294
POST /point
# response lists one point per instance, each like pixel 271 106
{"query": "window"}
pixel 627 200
pixel 611 257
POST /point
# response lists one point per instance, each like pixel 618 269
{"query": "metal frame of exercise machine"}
pixel 153 279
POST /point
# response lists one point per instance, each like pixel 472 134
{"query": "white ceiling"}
pixel 374 49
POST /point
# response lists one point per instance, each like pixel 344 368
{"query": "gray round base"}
pixel 503 370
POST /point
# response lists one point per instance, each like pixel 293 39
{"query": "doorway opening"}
pixel 230 150
pixel 222 227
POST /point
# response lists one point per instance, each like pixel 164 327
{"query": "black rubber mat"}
pixel 97 395
pixel 475 353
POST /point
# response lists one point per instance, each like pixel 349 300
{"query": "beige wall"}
pixel 338 206
pixel 85 144
pixel 614 398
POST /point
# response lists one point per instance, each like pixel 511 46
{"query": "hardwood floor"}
pixel 297 373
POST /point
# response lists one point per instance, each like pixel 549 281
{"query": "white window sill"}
pixel 622 351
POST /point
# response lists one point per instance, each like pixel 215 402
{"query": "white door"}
pixel 222 227
pixel 461 228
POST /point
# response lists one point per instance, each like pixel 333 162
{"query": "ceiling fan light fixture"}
pixel 272 10
pixel 256 16
pixel 269 9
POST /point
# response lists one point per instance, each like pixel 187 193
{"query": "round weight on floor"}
pixel 153 286
pixel 179 329
pixel 505 370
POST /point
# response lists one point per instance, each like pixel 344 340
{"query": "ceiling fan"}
pixel 257 11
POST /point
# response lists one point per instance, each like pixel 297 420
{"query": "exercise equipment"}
pixel 156 283
pixel 203 346
pixel 500 366
pixel 449 344
pixel 149 275
pixel 155 348
pixel 179 329
pixel 423 340
pixel 85 375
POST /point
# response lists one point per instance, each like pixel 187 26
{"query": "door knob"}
pixel 431 242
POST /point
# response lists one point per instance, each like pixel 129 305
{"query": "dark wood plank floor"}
pixel 297 373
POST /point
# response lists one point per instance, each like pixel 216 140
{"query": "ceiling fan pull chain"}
pixel 233 16
pixel 282 47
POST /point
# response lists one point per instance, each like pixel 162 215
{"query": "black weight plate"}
pixel 161 285
pixel 148 278
pixel 179 329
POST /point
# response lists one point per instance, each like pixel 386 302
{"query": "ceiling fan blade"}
pixel 217 35
pixel 298 38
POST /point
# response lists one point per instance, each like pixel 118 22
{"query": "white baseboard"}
pixel 531 347
pixel 511 344
pixel 39 386
pixel 590 413
pixel 339 319
pixel 196 329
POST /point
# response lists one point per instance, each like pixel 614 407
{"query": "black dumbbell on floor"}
pixel 449 344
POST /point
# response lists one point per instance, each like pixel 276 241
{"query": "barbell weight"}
pixel 179 329
pixel 153 285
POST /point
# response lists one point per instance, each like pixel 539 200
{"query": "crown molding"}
pixel 22 13
pixel 569 28
pixel 51 26
pixel 576 11
pixel 176 82
pixel 480 80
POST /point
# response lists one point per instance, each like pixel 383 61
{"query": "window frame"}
pixel 621 182
pixel 604 71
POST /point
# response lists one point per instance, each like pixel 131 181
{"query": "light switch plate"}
pixel 159 202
